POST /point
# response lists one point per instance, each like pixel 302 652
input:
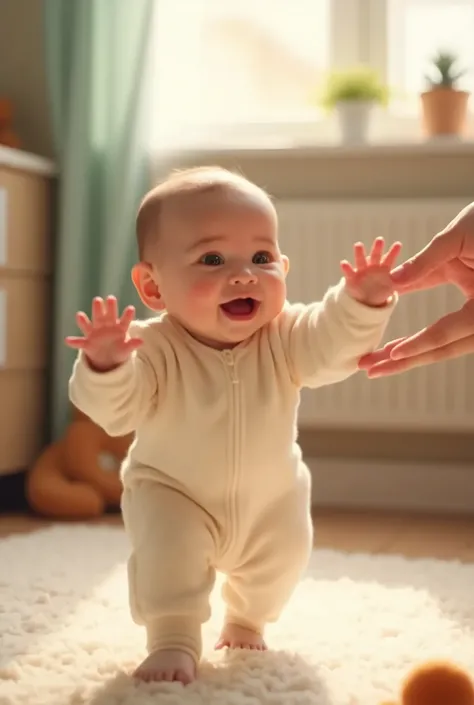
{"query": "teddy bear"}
pixel 436 683
pixel 78 476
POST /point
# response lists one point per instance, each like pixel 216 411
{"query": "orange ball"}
pixel 438 683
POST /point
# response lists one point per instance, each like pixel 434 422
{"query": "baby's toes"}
pixel 183 677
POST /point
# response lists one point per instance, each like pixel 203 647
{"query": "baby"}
pixel 215 480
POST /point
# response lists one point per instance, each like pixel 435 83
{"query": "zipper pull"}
pixel 229 358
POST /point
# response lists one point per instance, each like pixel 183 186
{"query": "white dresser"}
pixel 26 193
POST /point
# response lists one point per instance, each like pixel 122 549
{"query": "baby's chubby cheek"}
pixel 205 290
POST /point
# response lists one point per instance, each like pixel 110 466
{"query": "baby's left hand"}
pixel 369 281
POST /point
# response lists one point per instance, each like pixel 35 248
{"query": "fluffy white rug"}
pixel 354 627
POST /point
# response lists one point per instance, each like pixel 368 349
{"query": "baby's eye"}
pixel 262 258
pixel 212 260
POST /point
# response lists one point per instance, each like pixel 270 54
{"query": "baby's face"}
pixel 221 273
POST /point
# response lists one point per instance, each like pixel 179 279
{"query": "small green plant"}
pixel 444 72
pixel 356 84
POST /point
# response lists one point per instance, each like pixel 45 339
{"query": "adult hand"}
pixel 447 259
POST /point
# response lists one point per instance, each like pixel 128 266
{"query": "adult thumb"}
pixel 445 246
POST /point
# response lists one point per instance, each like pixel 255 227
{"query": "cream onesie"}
pixel 214 479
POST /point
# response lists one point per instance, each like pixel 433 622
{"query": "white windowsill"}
pixel 335 150
pixel 390 135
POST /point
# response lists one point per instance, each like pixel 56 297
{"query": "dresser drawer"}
pixel 24 322
pixel 25 221
pixel 22 418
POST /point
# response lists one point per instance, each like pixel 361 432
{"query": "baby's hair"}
pixel 179 184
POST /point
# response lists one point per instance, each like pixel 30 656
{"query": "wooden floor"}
pixel 450 538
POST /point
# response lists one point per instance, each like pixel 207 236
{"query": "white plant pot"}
pixel 354 120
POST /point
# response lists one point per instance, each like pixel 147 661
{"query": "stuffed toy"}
pixel 77 477
pixel 436 683
pixel 8 136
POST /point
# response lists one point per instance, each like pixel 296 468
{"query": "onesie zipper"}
pixel 234 440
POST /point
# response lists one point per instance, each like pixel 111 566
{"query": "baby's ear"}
pixel 286 264
pixel 146 286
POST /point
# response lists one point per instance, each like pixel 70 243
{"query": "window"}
pixel 417 30
pixel 232 70
pixel 224 63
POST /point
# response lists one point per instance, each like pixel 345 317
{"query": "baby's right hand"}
pixel 106 344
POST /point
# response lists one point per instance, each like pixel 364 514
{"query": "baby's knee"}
pixel 166 525
pixel 297 544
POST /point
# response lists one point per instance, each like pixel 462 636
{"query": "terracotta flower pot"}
pixel 444 111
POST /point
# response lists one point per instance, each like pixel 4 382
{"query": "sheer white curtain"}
pixel 230 70
pixel 227 63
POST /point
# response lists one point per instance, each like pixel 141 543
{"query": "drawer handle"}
pixel 3 227
pixel 3 327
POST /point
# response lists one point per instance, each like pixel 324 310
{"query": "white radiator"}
pixel 316 235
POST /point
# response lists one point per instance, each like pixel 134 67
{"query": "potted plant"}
pixel 353 94
pixel 444 106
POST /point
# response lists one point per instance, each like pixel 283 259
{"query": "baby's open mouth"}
pixel 240 308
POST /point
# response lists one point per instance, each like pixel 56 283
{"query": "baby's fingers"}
pixel 347 269
pixel 99 312
pixel 127 317
pixel 111 309
pixel 360 258
pixel 75 342
pixel 376 252
pixel 391 256
pixel 129 346
pixel 83 323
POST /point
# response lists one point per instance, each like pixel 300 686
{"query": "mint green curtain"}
pixel 98 71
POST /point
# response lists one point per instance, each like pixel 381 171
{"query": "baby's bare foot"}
pixel 167 665
pixel 235 637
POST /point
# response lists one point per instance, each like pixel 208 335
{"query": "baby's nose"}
pixel 244 276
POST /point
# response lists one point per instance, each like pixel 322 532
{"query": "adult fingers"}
pixel 455 271
pixel 433 279
pixel 445 331
pixel 462 276
pixel 372 358
pixel 458 348
pixel 443 247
